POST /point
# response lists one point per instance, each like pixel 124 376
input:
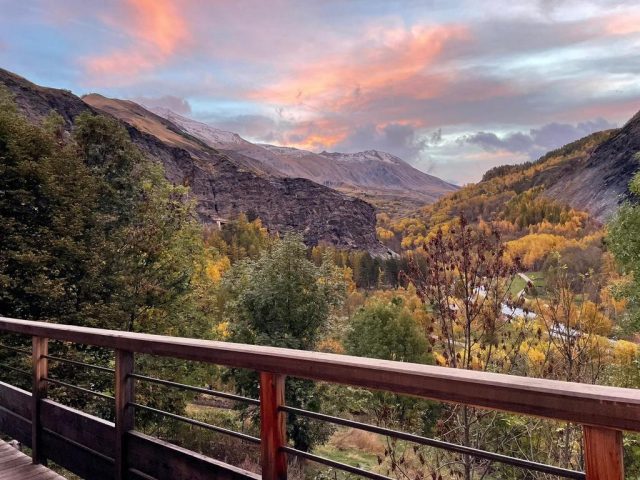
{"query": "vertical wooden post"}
pixel 124 409
pixel 603 457
pixel 39 391
pixel 273 429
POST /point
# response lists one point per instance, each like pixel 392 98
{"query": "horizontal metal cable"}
pixel 14 414
pixel 206 391
pixel 16 349
pixel 79 445
pixel 331 463
pixel 138 473
pixel 198 423
pixel 81 364
pixel 80 389
pixel 23 372
pixel 517 462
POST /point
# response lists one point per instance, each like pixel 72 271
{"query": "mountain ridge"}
pixel 220 187
pixel 381 173
pixel 591 175
pixel 607 171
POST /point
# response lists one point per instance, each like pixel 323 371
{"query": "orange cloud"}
pixel 157 30
pixel 316 135
pixel 383 65
pixel 392 62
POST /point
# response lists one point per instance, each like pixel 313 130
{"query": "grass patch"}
pixel 519 283
pixel 353 447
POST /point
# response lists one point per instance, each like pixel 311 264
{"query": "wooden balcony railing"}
pixel 97 449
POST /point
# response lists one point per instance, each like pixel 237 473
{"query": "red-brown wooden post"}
pixel 273 429
pixel 124 409
pixel 39 391
pixel 603 457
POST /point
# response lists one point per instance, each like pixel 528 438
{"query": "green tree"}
pixel 624 241
pixel 282 299
pixel 94 235
pixel 147 229
pixel 47 199
pixel 387 331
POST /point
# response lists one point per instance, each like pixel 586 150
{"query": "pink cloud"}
pixel 156 30
pixel 389 61
pixel 623 24
pixel 386 63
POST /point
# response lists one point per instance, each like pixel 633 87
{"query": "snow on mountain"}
pixel 366 156
pixel 212 136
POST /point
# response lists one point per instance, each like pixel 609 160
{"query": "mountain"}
pixel 378 176
pixel 600 182
pixel 591 174
pixel 243 153
pixel 221 187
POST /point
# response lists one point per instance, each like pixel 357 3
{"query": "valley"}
pixel 142 220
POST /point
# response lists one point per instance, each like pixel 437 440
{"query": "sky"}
pixel 453 87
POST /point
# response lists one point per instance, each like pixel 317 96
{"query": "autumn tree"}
pixel 465 282
pixel 574 338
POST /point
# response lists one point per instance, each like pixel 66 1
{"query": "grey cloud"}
pixel 436 137
pixel 176 104
pixel 538 140
pixel 398 139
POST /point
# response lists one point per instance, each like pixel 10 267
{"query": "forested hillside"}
pixel 515 199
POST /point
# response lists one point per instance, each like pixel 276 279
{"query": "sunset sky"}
pixel 453 87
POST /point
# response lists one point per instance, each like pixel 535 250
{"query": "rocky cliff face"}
pixel 600 182
pixel 222 187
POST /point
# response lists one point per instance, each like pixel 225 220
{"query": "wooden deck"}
pixel 15 465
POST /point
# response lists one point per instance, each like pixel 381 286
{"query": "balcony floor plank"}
pixel 15 465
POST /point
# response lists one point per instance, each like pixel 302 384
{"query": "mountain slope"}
pixel 245 154
pixel 560 201
pixel 220 187
pixel 600 182
pixel 371 173
pixel 584 175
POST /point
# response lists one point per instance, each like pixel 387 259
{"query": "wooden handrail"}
pixel 602 411
pixel 594 405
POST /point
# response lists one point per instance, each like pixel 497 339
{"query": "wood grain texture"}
pixel 92 432
pixel 15 413
pixel 273 427
pixel 124 394
pixel 603 454
pixel 155 458
pixel 594 405
pixel 163 460
pixel 15 465
pixel 15 426
pixel 76 458
pixel 38 393
pixel 16 399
